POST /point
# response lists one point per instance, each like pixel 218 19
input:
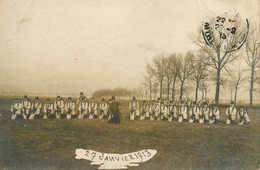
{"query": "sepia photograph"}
pixel 130 84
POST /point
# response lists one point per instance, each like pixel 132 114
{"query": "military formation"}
pixel 26 109
pixel 186 111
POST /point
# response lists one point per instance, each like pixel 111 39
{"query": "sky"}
pixel 85 45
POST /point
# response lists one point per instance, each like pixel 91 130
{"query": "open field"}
pixel 51 144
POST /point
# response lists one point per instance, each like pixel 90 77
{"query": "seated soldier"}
pixel 231 113
pixel 70 108
pixel 83 108
pixel 48 110
pixel 145 110
pixel 59 107
pixel 182 116
pixel 103 107
pixel 36 109
pixel 134 109
pixel 204 113
pixel 93 109
pixel 26 107
pixel 153 109
pixel 242 116
pixel 16 108
pixel 172 110
pixel 194 113
pixel 214 114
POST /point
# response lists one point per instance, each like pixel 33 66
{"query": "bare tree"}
pixel 252 57
pixel 236 79
pixel 186 70
pixel 174 61
pixel 155 89
pixel 158 69
pixel 148 80
pixel 222 36
pixel 199 71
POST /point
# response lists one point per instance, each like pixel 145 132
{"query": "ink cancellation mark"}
pixel 115 161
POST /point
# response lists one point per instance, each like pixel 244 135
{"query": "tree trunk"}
pixel 181 90
pixel 168 90
pixel 217 85
pixel 196 92
pixel 161 89
pixel 150 91
pixel 173 88
pixel 252 85
pixel 235 98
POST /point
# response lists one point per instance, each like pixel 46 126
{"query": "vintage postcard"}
pixel 129 84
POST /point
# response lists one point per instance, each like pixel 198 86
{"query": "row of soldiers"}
pixel 186 111
pixel 58 109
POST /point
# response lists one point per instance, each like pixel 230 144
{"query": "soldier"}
pixel 59 107
pixel 109 114
pixel 172 111
pixel 48 109
pixel 81 98
pixel 134 108
pixel 194 113
pixel 103 107
pixel 153 110
pixel 242 116
pixel 115 111
pixel 182 116
pixel 214 114
pixel 204 113
pixel 93 109
pixel 26 107
pixel 231 113
pixel 36 109
pixel 70 108
pixel 16 108
pixel 83 108
pixel 164 111
pixel 145 111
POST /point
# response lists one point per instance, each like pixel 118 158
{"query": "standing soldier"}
pixel 103 107
pixel 214 114
pixel 48 109
pixel 36 109
pixel 182 116
pixel 109 113
pixel 164 111
pixel 134 108
pixel 26 107
pixel 59 107
pixel 70 108
pixel 83 108
pixel 115 111
pixel 242 116
pixel 93 109
pixel 172 111
pixel 194 113
pixel 16 109
pixel 81 98
pixel 145 111
pixel 231 113
pixel 153 109
pixel 204 113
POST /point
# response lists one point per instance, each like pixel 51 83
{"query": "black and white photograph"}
pixel 129 84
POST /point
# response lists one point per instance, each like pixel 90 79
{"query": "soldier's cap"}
pixel 133 98
pixel 109 99
pixel 194 102
pixel 103 99
pixel 48 99
pixel 154 100
pixel 171 101
pixel 215 105
pixel 92 98
pixel 81 93
pixel 15 98
pixel 144 101
pixel 232 102
pixel 113 98
pixel 69 98
pixel 36 98
pixel 58 96
pixel 242 106
pixel 158 98
pixel 205 103
pixel 25 96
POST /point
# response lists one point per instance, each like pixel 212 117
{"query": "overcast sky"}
pixel 74 45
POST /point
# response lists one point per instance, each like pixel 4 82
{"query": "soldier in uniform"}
pixel 231 113
pixel 242 116
pixel 214 114
pixel 93 109
pixel 83 108
pixel 16 108
pixel 59 107
pixel 70 108
pixel 182 115
pixel 109 114
pixel 36 109
pixel 172 111
pixel 115 111
pixel 103 107
pixel 48 109
pixel 145 111
pixel 194 113
pixel 153 109
pixel 134 108
pixel 204 113
pixel 26 107
pixel 164 111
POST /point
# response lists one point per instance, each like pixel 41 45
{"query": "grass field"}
pixel 51 144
